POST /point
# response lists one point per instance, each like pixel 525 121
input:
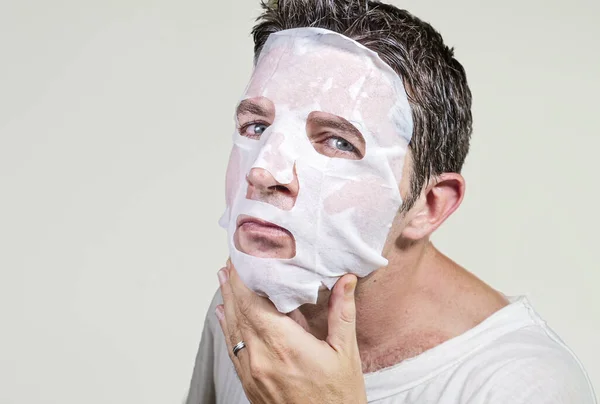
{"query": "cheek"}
pixel 232 178
pixel 368 198
pixel 366 195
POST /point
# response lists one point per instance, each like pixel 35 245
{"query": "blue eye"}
pixel 259 128
pixel 341 144
pixel 253 130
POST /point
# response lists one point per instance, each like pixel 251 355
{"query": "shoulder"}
pixel 202 385
pixel 529 365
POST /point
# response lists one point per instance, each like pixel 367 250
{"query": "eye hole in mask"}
pixel 254 116
pixel 334 136
pixel 330 135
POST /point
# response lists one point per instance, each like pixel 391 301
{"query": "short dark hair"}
pixel 435 81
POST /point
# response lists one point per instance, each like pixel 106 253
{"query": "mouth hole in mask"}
pixel 259 238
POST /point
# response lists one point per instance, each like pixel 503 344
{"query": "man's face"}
pixel 312 183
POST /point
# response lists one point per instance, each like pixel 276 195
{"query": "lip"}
pixel 263 239
pixel 253 224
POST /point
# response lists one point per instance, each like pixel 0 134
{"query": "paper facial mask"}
pixel 313 177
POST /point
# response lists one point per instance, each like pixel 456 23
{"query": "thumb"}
pixel 341 319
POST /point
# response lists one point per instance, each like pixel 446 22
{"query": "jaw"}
pixel 313 317
pixel 375 294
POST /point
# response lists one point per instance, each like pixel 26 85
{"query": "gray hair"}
pixel 435 81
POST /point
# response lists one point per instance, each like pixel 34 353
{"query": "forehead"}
pixel 311 73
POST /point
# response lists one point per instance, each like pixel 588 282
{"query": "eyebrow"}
pixel 340 124
pixel 248 106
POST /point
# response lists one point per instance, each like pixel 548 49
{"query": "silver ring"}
pixel 238 347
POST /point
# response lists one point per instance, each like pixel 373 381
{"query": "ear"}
pixel 442 196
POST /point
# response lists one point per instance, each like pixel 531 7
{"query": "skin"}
pixel 318 352
pixel 283 363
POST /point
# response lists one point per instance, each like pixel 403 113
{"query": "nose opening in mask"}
pixel 262 186
pixel 260 238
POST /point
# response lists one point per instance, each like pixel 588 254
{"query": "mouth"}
pixel 264 239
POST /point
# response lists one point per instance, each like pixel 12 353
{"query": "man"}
pixel 350 140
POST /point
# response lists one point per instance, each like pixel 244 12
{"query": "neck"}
pixel 421 299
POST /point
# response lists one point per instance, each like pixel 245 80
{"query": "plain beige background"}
pixel 115 125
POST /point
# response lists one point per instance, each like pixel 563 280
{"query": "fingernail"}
pixel 219 312
pixel 228 263
pixel 349 288
pixel 222 274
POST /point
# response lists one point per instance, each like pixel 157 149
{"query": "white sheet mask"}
pixel 344 208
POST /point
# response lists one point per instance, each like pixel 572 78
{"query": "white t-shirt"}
pixel 512 357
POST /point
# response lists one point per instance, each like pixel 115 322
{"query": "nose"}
pixel 262 186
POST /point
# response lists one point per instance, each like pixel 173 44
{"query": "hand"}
pixel 283 363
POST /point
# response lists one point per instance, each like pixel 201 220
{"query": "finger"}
pixel 220 312
pixel 341 318
pixel 224 285
pixel 230 312
pixel 259 319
